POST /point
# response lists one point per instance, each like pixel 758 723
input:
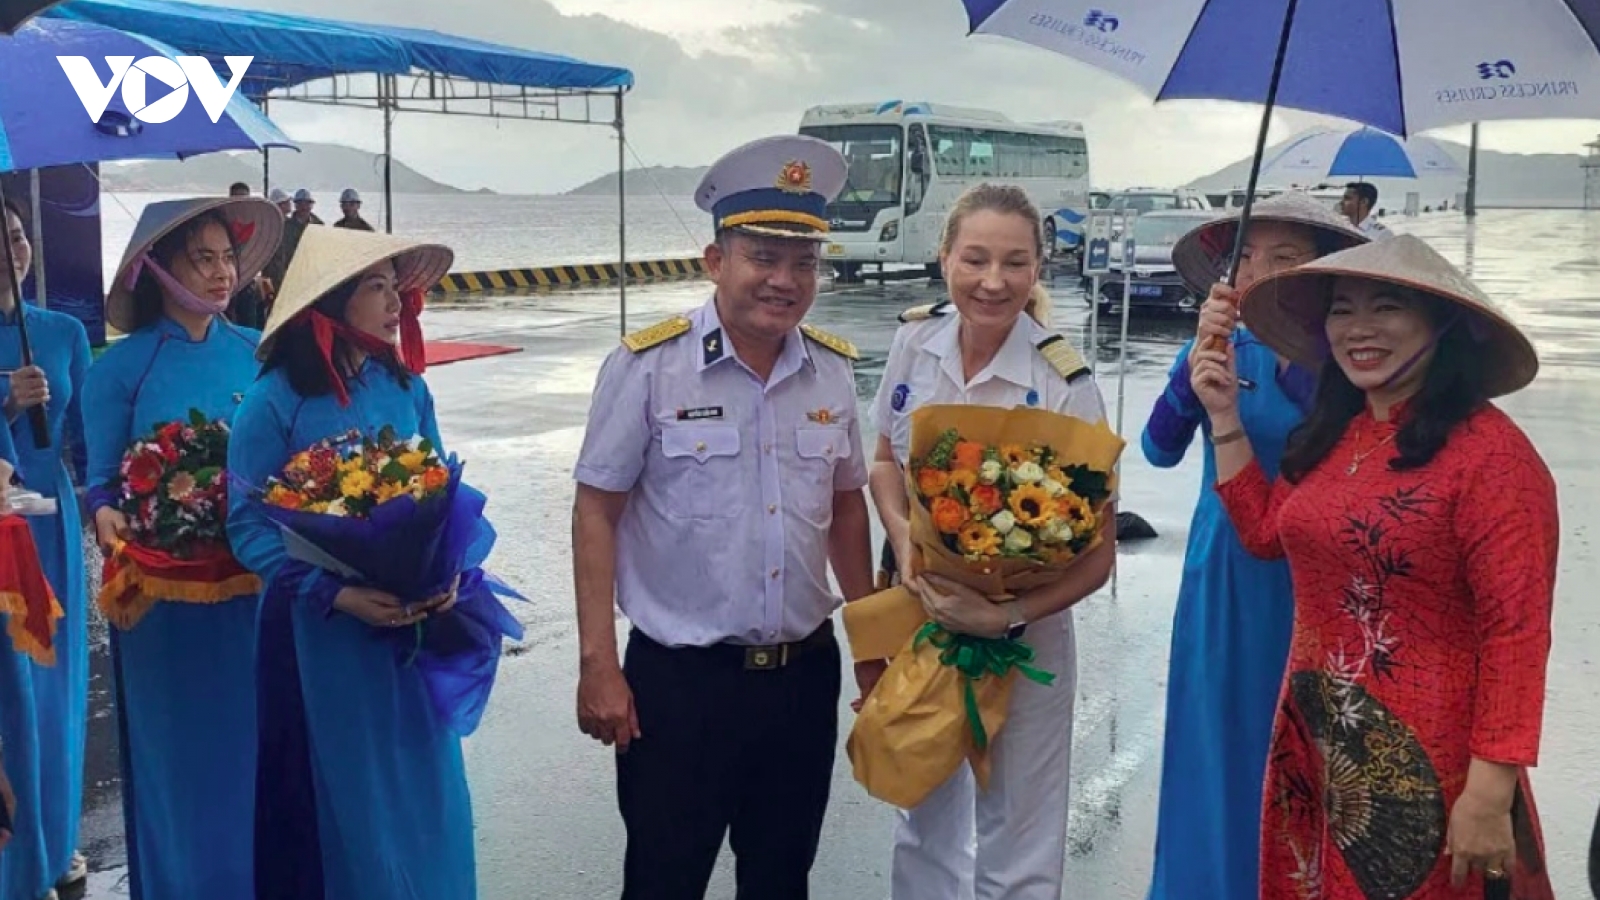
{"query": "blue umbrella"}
pixel 1362 153
pixel 43 122
pixel 1403 67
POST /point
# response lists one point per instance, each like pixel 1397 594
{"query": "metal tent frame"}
pixel 302 59
pixel 439 94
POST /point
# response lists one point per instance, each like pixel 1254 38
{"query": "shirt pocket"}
pixel 819 448
pixel 702 471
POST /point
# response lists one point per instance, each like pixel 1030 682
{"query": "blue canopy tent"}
pixel 313 60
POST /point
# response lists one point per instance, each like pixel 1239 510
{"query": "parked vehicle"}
pixel 1155 287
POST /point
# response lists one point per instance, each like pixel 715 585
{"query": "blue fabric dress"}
pixel 47 834
pixel 185 672
pixel 1230 643
pixel 387 815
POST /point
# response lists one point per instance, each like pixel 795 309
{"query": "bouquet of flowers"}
pixel 391 514
pixel 1002 501
pixel 173 489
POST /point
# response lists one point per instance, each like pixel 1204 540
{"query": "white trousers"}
pixel 1009 842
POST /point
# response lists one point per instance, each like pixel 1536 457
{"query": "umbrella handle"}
pixel 37 422
pixel 1261 149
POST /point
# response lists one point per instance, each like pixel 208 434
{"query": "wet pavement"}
pixel 544 794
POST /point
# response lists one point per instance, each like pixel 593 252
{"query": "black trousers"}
pixel 727 752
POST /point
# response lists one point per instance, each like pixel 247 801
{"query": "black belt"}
pixel 758 657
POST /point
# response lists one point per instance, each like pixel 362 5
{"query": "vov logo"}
pixel 1501 69
pixel 178 74
pixel 1098 20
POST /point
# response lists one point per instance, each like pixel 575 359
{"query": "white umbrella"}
pixel 1363 153
pixel 1403 66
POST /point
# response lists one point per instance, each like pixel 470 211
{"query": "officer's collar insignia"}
pixel 821 416
pixel 711 346
pixel 831 341
pixel 795 177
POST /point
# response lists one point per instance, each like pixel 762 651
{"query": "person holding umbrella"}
pixel 1230 631
pixel 54 383
pixel 184 668
pixel 1422 529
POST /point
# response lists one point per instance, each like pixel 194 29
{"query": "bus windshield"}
pixel 872 153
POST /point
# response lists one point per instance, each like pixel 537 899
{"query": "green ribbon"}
pixel 975 657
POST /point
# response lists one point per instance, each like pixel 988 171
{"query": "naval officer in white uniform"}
pixel 986 346
pixel 722 472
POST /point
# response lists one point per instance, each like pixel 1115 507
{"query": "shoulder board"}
pixel 926 311
pixel 659 333
pixel 833 342
pixel 1063 357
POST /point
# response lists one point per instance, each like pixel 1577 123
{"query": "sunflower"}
pixel 966 479
pixel 1075 510
pixel 1015 455
pixel 1031 504
pixel 979 539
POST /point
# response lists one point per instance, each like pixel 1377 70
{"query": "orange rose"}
pixel 932 482
pixel 986 499
pixel 948 515
pixel 435 478
pixel 968 455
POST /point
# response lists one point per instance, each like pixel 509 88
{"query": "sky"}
pixel 712 74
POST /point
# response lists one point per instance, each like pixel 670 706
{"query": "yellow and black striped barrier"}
pixel 584 275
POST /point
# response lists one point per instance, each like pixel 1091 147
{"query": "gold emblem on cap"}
pixel 795 177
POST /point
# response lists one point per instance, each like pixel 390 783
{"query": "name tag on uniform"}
pixel 699 412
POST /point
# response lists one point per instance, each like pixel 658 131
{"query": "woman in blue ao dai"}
pixel 184 674
pixel 44 709
pixel 1235 613
pixel 369 790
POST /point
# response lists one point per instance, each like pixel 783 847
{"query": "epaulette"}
pixel 659 333
pixel 1063 357
pixel 926 311
pixel 833 342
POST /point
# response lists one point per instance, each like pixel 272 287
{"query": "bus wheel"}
pixel 1049 238
pixel 847 273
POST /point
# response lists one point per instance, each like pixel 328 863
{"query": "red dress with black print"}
pixel 1422 627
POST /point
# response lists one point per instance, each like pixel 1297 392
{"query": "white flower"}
pixel 1019 539
pixel 1003 521
pixel 990 471
pixel 1054 488
pixel 1058 531
pixel 1027 473
pixel 336 508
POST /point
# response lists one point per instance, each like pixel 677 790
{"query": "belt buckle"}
pixel 766 658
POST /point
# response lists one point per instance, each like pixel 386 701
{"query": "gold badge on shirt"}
pixel 822 416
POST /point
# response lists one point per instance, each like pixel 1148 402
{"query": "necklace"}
pixel 1357 458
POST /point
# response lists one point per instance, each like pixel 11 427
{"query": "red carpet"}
pixel 444 352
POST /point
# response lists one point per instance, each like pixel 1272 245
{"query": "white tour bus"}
pixel 910 161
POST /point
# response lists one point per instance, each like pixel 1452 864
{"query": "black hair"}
pixel 147 296
pixel 1366 190
pixel 294 348
pixel 1452 389
pixel 14 207
pixel 237 187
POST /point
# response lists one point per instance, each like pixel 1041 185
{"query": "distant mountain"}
pixel 673 181
pixel 1504 179
pixel 322 168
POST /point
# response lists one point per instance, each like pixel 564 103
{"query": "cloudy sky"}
pixel 711 74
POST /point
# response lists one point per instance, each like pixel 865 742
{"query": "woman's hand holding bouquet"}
pixel 1001 502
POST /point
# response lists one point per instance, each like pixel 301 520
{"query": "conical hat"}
pixel 1201 256
pixel 327 257
pixel 1287 310
pixel 253 215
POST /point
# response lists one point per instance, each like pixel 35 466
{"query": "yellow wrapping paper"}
pixel 912 733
